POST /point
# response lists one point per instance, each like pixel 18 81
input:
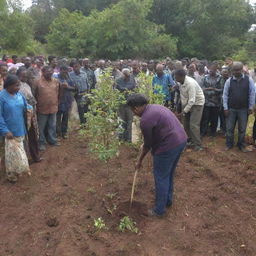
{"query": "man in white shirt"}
pixel 99 71
pixel 192 101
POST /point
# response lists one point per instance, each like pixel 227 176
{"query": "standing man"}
pixel 27 62
pixel 65 101
pixel 225 74
pixel 135 68
pixel 54 64
pixel 213 90
pixel 125 84
pixel 80 82
pixel 144 68
pixel 238 103
pixel 192 72
pixel 47 91
pixel 100 70
pixel 165 137
pixel 90 73
pixel 192 102
pixel 165 81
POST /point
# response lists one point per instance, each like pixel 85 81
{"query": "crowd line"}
pixel 37 95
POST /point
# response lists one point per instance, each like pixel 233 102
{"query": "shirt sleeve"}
pixel 251 94
pixel 26 105
pixel 191 98
pixel 3 127
pixel 225 94
pixel 171 81
pixel 153 82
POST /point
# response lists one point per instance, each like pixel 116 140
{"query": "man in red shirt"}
pixel 47 90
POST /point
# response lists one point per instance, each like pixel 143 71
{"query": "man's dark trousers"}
pixel 164 168
pixel 240 116
pixel 210 116
pixel 62 123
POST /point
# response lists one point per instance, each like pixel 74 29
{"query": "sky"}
pixel 27 3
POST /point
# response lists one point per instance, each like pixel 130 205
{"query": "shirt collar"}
pixel 145 110
pixel 242 77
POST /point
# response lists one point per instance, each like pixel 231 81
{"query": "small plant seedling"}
pixel 91 190
pixel 99 224
pixel 126 223
pixel 111 210
pixel 111 195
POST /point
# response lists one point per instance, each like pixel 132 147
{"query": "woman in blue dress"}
pixel 13 109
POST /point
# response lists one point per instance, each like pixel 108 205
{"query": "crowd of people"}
pixel 37 95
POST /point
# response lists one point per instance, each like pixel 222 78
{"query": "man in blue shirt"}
pixel 238 103
pixel 165 81
pixel 80 82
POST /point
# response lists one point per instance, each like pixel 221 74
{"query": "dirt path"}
pixel 52 213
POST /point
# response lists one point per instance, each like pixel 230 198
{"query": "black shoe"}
pixel 169 205
pixel 57 144
pixel 228 148
pixel 152 213
pixel 198 148
pixel 42 148
pixel 244 149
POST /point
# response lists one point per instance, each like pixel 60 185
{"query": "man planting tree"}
pixel 165 137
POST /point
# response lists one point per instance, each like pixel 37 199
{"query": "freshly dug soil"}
pixel 52 212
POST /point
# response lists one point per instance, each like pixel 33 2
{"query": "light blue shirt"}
pixel 79 81
pixel 251 93
pixel 166 82
pixel 12 109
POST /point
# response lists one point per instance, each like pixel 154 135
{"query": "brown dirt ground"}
pixel 51 213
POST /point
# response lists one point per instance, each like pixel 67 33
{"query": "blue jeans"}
pixel 48 122
pixel 240 116
pixel 164 169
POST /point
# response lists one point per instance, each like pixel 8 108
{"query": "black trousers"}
pixel 222 120
pixel 209 120
pixel 82 109
pixel 33 143
pixel 62 123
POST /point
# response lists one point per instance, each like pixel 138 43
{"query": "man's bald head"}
pixel 102 64
pixel 237 69
pixel 160 69
pixel 86 62
pixel 237 64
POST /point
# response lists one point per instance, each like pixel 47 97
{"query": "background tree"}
pixel 16 28
pixel 85 6
pixel 42 12
pixel 62 31
pixel 121 31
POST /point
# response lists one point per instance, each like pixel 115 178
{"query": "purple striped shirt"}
pixel 161 129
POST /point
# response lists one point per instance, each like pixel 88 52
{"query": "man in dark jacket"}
pixel 125 84
pixel 238 103
pixel 212 88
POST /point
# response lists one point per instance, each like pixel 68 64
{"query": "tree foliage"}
pixel 84 6
pixel 129 28
pixel 16 27
pixel 103 123
pixel 121 31
pixel 62 31
pixel 206 29
pixel 43 14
